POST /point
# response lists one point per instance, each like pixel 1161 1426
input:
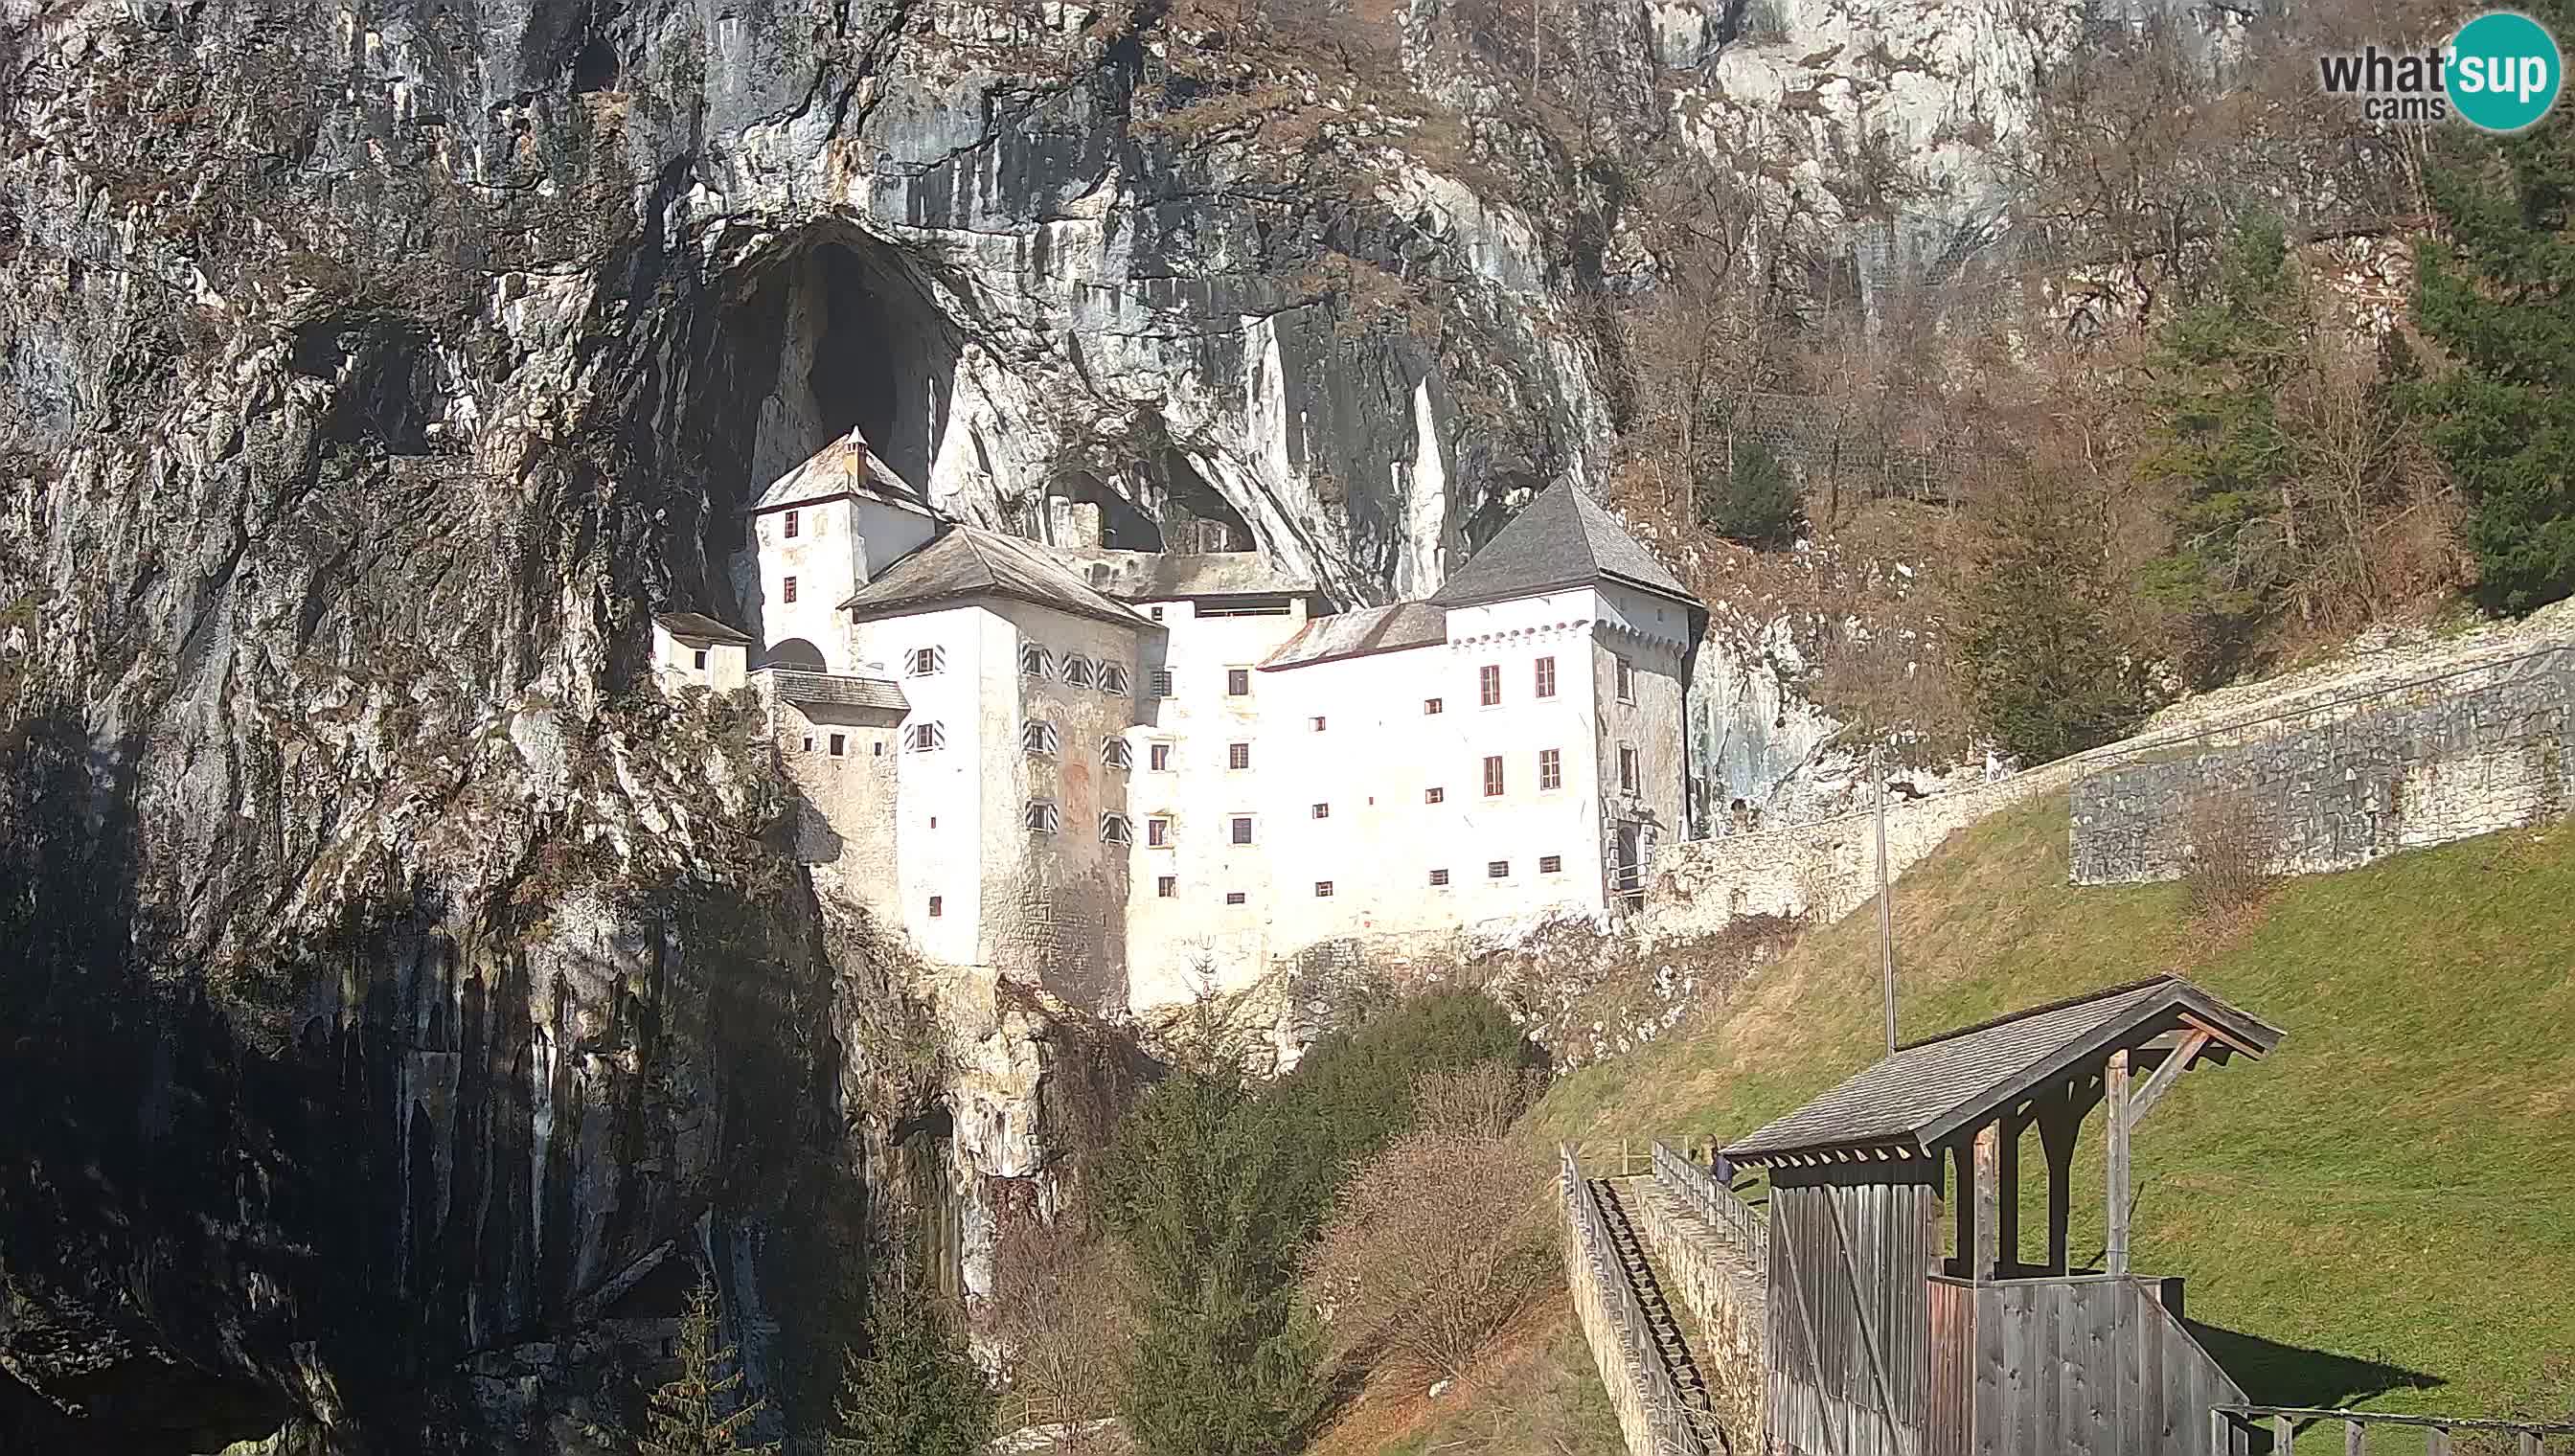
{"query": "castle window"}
pixel 1168 885
pixel 1040 737
pixel 1162 682
pixel 1498 868
pixel 1076 670
pixel 790 524
pixel 809 742
pixel 1035 660
pixel 1323 811
pixel 1115 829
pixel 1112 680
pixel 1551 769
pixel 1042 817
pixel 698 660
pixel 1160 757
pixel 787 590
pixel 1157 834
pixel 1237 682
pixel 1546 676
pixel 1242 830
pixel 1323 889
pixel 1319 722
pixel 1626 678
pixel 1237 756
pixel 1493 777
pixel 1116 754
pixel 935 905
pixel 1439 878
pixel 839 745
pixel 1234 897
pixel 1158 613
pixel 1433 796
pixel 918 738
pixel 1430 706
pixel 1627 770
pixel 1551 865
pixel 879 745
pixel 925 661
pixel 1489 684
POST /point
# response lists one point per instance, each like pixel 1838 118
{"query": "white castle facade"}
pixel 1132 777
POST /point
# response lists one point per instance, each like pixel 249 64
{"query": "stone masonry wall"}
pixel 2338 787
pixel 1713 1275
pixel 1619 1375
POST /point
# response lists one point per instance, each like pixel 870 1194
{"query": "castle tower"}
pixel 818 534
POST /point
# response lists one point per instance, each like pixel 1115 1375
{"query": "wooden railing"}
pixel 1714 1201
pixel 1673 1430
pixel 2231 1425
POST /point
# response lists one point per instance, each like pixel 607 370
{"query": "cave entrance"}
pixel 1195 517
pixel 858 343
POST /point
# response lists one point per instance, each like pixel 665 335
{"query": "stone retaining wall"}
pixel 2338 787
pixel 1710 1272
pixel 1619 1375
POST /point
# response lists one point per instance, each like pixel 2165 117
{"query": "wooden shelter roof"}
pixel 1918 1097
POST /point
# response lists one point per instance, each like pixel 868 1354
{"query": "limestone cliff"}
pixel 392 983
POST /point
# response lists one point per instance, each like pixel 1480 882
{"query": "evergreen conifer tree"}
pixel 916 1389
pixel 2497 292
pixel 693 1413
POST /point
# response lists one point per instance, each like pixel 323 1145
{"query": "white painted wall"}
pixel 674 662
pixel 939 808
pixel 1172 939
pixel 822 558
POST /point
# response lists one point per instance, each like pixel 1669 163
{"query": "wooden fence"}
pixel 1670 1429
pixel 1714 1201
pixel 2086 1362
pixel 2231 1428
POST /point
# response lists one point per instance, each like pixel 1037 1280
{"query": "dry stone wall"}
pixel 2341 785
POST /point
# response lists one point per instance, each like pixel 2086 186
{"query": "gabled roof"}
pixel 845 466
pixel 699 625
pixel 1917 1098
pixel 1357 634
pixel 1558 540
pixel 1151 576
pixel 966 563
pixel 797 685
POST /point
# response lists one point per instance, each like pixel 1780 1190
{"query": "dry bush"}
pixel 1440 1241
pixel 2234 839
pixel 1061 1316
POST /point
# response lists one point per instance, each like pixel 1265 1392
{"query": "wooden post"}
pixel 1886 916
pixel 1962 1208
pixel 2114 1103
pixel 2007 1194
pixel 1989 1250
pixel 2058 1125
pixel 2221 1434
pixel 2356 1437
pixel 2436 1442
pixel 2285 1432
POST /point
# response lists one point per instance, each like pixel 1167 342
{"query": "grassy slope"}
pixel 2382 1212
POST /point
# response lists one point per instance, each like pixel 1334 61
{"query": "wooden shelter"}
pixel 1877 1342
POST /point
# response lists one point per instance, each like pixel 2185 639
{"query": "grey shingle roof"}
pixel 1960 1079
pixel 1356 633
pixel 1560 540
pixel 966 563
pixel 1148 576
pixel 845 467
pixel 838 691
pixel 699 625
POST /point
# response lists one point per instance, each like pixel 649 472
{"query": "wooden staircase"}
pixel 1660 1322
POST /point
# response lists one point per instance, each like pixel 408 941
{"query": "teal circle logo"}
pixel 2503 71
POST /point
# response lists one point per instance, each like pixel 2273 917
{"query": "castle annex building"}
pixel 1131 776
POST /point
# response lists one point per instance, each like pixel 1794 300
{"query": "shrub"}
pixel 1753 502
pixel 1439 1240
pixel 2233 842
pixel 2044 670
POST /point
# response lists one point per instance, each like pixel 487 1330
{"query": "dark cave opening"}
pixel 595 69
pixel 385 376
pixel 1196 516
pixel 881 357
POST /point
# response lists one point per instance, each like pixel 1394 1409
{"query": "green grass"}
pixel 2381 1213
